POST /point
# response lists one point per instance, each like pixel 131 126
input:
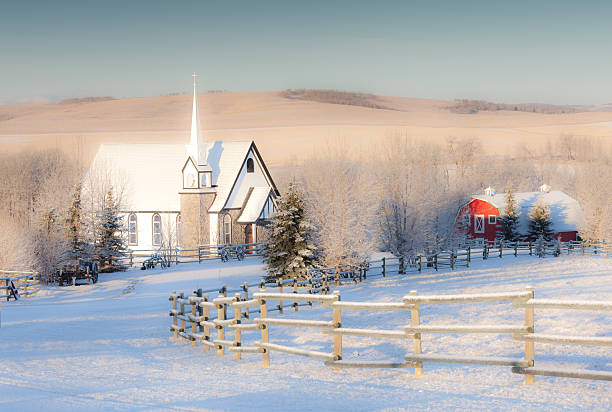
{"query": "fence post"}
pixel 174 314
pixel 452 260
pixel 207 319
pixel 414 321
pixel 199 255
pixel 194 324
pixel 469 255
pixel 337 320
pixel 263 312
pixel 336 275
pixel 401 268
pixel 280 290
pixel 220 328
pixel 295 290
pixel 200 311
pixel 238 333
pixel 436 261
pixel 529 346
pixel 384 267
pixel 420 263
pixel 182 313
pixel 501 248
pixel 530 248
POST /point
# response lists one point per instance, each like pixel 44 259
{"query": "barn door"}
pixel 479 223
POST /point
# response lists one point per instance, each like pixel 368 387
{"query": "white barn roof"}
pixel 565 212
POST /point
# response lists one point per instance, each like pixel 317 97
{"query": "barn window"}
pixel 479 224
pixel 157 235
pixel 492 219
pixel 250 165
pixel 227 229
pixel 179 228
pixel 132 229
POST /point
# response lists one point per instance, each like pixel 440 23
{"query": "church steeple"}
pixel 196 148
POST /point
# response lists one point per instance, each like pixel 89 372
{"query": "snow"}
pixel 565 212
pixel 108 346
pixel 254 204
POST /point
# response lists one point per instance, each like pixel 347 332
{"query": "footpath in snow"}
pixel 108 346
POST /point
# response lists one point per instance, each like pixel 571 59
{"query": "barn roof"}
pixel 566 213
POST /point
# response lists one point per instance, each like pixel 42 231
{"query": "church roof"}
pixel 151 173
pixel 256 200
pixel 565 212
pixel 226 160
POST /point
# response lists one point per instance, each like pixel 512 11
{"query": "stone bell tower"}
pixel 197 193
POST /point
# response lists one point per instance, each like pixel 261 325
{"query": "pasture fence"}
pixel 233 315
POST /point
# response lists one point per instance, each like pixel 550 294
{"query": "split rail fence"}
pixel 16 284
pixel 220 323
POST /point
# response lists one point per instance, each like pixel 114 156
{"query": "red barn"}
pixel 478 218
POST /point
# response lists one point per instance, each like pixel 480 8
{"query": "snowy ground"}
pixel 108 347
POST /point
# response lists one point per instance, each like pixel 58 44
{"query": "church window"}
pixel 250 165
pixel 157 236
pixel 227 229
pixel 179 228
pixel 132 229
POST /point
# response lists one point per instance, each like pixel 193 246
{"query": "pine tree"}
pixel 288 250
pixel 510 217
pixel 110 245
pixel 79 249
pixel 540 223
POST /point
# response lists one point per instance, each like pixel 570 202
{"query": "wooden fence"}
pixel 197 317
pixel 17 284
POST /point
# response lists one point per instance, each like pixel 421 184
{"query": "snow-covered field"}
pixel 108 346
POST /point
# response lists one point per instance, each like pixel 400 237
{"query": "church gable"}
pixel 251 175
pixel 190 174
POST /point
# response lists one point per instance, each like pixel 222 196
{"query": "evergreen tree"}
pixel 288 250
pixel 540 223
pixel 78 247
pixel 110 245
pixel 510 218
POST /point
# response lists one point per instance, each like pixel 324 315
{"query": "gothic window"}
pixel 250 165
pixel 179 228
pixel 157 233
pixel 227 229
pixel 132 229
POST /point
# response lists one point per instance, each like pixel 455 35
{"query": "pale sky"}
pixel 505 51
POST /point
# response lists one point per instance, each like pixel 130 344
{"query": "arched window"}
pixel 157 232
pixel 132 229
pixel 227 229
pixel 250 165
pixel 179 229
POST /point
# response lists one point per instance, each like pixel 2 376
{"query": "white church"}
pixel 202 193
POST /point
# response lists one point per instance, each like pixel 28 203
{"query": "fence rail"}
pixel 194 320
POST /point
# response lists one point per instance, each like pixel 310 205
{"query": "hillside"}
pixel 284 128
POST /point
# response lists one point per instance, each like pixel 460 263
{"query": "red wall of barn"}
pixel 480 207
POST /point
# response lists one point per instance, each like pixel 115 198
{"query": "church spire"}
pixel 195 148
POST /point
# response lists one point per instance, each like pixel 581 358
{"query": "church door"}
pixel 248 235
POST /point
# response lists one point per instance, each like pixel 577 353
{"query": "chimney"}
pixel 489 191
pixel 545 188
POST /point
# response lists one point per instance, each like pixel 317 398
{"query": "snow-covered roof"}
pixel 566 213
pixel 151 172
pixel 225 159
pixel 256 200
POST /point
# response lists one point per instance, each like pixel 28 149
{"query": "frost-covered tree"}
pixel 78 247
pixel 510 217
pixel 110 246
pixel 288 250
pixel 540 222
